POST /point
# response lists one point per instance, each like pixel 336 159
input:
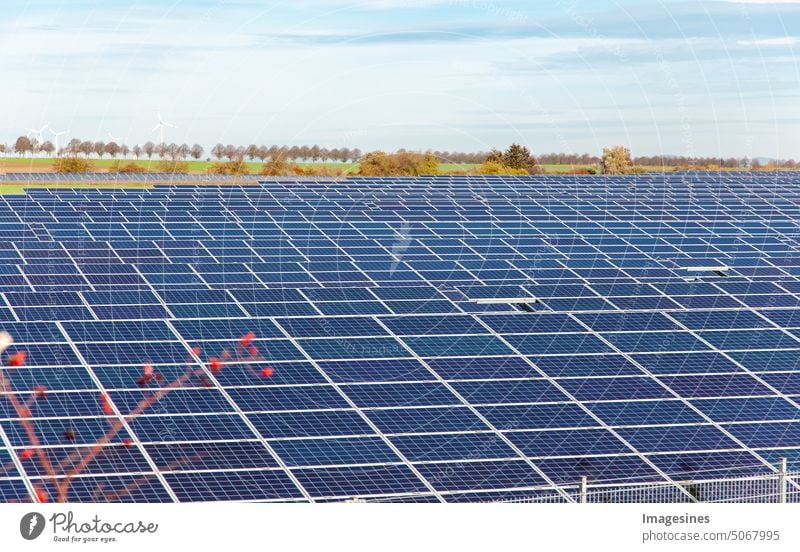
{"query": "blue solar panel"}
pixel 446 339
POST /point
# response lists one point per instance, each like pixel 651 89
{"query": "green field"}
pixel 42 164
pixel 15 164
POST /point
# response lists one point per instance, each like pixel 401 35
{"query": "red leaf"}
pixel 26 454
pixel 215 365
pixel 17 359
pixel 106 405
pixel 41 495
pixel 253 351
pixel 196 351
pixel 247 339
pixel 127 441
pixel 267 372
pixel 69 435
pixel 41 391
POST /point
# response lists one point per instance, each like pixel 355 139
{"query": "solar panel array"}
pixel 433 339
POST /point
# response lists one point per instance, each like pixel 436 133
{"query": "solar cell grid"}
pixel 390 380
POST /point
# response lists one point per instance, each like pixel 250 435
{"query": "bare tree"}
pixel 47 148
pixel 23 145
pixel 252 151
pixel 183 151
pixel 197 152
pixel 87 148
pixel 149 149
pixel 218 151
pixel 112 148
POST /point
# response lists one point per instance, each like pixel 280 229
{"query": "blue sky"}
pixel 676 77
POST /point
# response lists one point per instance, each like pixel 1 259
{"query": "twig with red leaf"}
pixel 75 463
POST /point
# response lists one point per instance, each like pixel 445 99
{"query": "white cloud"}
pixel 769 42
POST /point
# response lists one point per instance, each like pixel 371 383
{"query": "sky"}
pixel 696 78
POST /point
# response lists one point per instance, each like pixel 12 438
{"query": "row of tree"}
pixel 98 149
pixel 179 152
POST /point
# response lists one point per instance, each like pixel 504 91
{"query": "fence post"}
pixel 782 481
pixel 583 490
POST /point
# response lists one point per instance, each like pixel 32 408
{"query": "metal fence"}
pixel 772 487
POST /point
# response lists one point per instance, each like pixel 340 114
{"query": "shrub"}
pixel 72 165
pixel 233 168
pixel 617 161
pixel 172 167
pixel 120 167
pixel 493 167
pixel 379 163
pixel 321 170
pixel 516 157
pixel 278 167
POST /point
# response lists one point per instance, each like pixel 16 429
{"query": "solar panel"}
pixel 431 339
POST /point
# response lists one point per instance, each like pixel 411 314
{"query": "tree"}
pixel 196 152
pixel 149 149
pixel 252 151
pixel 218 151
pixel 182 151
pixel 47 148
pixel 86 148
pixel 73 147
pixel 616 161
pixel 99 148
pixel 518 157
pixel 125 150
pixel 23 145
pixel 113 149
pixel 161 150
pixel 137 151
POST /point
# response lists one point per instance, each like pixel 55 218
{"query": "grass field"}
pixel 13 164
pixel 37 165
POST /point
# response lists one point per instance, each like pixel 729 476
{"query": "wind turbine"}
pixel 162 124
pixel 38 135
pixel 115 139
pixel 56 135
